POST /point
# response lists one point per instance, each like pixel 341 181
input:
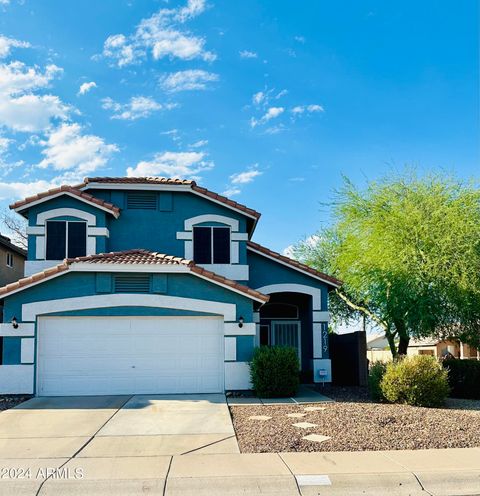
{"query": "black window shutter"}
pixel 221 245
pixel 202 245
pixel 77 239
pixel 56 238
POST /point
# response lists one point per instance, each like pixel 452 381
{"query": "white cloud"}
pixel 245 177
pixel 199 144
pixel 231 192
pixel 4 2
pixel 6 45
pixel 300 109
pixel 258 97
pixel 163 35
pixel 300 39
pixel 4 144
pixel 172 164
pixel 31 113
pixel 22 110
pixel 192 79
pixel 264 97
pixel 271 113
pixel 247 54
pixel 16 190
pixel 138 107
pixel 68 149
pixel 86 87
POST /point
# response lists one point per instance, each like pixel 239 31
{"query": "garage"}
pixel 129 355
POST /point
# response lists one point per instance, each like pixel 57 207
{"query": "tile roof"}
pixel 70 190
pixel 172 181
pixel 140 257
pixel 297 265
pixel 7 242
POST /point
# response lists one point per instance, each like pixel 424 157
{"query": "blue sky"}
pixel 268 101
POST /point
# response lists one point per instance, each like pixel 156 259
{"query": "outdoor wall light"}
pixel 15 323
pixel 240 322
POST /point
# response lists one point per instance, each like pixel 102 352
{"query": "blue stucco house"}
pixel 152 285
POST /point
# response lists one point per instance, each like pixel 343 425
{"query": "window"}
pixel 66 239
pixel 9 259
pixel 211 245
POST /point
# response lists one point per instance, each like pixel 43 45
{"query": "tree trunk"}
pixel 391 343
pixel 403 345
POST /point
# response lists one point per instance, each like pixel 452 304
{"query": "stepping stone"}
pixel 316 438
pixel 304 425
pixel 296 415
pixel 259 417
pixel 314 408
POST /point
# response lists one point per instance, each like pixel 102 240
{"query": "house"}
pixel 12 261
pixel 378 349
pixel 152 285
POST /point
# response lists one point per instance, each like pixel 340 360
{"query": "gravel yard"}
pixel 357 425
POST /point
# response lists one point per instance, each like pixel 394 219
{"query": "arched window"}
pixel 279 311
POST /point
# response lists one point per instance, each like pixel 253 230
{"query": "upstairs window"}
pixel 211 245
pixel 66 239
pixel 9 259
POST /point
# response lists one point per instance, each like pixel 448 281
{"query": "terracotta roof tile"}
pixel 294 263
pixel 67 189
pixel 174 181
pixel 138 256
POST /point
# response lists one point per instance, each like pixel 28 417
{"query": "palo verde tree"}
pixel 407 249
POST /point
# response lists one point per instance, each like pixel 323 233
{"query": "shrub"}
pixel 418 380
pixel 464 378
pixel 274 371
pixel 375 375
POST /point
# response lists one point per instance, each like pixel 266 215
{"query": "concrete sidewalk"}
pixel 448 472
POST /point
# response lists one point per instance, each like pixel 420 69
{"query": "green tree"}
pixel 407 249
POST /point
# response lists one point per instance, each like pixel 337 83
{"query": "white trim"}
pixel 199 219
pixel 30 311
pixel 189 250
pixel 42 217
pixel 6 329
pixel 98 231
pixel 234 252
pixel 317 340
pixel 237 376
pixel 35 266
pixel 320 316
pixel 256 317
pixel 234 272
pixel 36 230
pixel 91 248
pixel 233 329
pixel 81 267
pixel 27 350
pixel 40 247
pixel 185 235
pixel 315 293
pixel 16 379
pixel 238 236
pixel 164 187
pixel 162 268
pixel 293 267
pixel 47 198
pixel 230 349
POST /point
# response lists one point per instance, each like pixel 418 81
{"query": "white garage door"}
pixel 129 355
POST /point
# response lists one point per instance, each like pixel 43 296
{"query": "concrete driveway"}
pixel 101 426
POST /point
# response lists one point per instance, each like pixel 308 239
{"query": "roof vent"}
pixel 132 283
pixel 142 200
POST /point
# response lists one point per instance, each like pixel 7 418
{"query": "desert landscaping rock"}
pixel 316 438
pixel 314 408
pixel 259 417
pixel 296 415
pixel 304 425
pixel 359 425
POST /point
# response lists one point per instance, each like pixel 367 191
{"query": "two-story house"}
pixel 152 285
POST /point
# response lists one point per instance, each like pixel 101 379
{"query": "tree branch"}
pixel 364 310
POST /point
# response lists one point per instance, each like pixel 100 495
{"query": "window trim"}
pixel 66 235
pixel 9 255
pixel 211 262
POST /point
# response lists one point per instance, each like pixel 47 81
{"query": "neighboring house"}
pixel 12 261
pixel 152 285
pixel 378 349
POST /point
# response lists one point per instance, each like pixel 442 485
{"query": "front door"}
pixel 286 333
